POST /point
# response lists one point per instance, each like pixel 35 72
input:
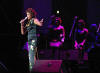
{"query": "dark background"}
pixel 11 41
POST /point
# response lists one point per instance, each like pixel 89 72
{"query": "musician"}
pixel 29 25
pixel 80 37
pixel 94 50
pixel 56 35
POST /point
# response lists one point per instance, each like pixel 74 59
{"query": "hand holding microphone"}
pixel 23 20
pixel 41 20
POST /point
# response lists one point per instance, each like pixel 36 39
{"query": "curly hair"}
pixel 31 11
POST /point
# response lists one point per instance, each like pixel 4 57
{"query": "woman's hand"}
pixel 41 20
pixel 22 22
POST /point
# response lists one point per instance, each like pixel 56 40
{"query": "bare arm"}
pixel 83 42
pixel 37 22
pixel 76 44
pixel 63 34
pixel 23 29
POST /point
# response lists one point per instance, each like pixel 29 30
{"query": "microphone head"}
pixel 76 17
pixel 25 18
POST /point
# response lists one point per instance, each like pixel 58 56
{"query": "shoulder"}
pixel 35 19
pixel 61 27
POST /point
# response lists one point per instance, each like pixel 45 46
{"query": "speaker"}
pixel 74 55
pixel 47 66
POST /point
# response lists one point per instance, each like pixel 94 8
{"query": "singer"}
pixel 29 25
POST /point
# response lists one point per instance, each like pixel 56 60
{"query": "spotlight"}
pixel 57 11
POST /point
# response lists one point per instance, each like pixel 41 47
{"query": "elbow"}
pixel 41 24
pixel 22 33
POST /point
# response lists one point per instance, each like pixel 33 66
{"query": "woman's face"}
pixel 29 15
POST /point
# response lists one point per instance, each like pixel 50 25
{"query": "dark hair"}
pixel 58 19
pixel 31 11
pixel 81 23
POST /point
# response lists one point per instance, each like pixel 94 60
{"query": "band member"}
pixel 92 35
pixel 80 37
pixel 29 25
pixel 56 35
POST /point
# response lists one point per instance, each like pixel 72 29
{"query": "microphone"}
pixel 23 20
pixel 76 17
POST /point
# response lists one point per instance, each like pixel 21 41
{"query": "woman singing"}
pixel 29 25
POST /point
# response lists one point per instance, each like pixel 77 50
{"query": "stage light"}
pixel 57 11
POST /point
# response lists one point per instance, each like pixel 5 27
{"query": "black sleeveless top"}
pixel 55 34
pixel 31 30
pixel 80 37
